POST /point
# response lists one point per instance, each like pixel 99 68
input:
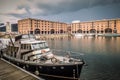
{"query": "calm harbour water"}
pixel 101 54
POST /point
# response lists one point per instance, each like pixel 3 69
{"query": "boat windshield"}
pixel 42 45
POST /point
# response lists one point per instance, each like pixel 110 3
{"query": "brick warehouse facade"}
pixel 98 26
pixel 37 26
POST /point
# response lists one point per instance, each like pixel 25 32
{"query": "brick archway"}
pixel 52 31
pixel 108 30
pixel 61 31
pixel 79 31
pixel 92 31
pixel 37 31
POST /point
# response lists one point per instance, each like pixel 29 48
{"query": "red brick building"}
pixel 37 26
pixel 98 26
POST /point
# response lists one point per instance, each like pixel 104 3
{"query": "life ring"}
pixel 54 60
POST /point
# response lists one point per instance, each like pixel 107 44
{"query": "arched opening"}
pixel 87 31
pixel 61 31
pixel 37 31
pixel 31 32
pixel 92 31
pixel 79 31
pixel 102 31
pixel 108 30
pixel 98 31
pixel 45 32
pixel 52 31
pixel 84 31
pixel 48 32
pixel 42 32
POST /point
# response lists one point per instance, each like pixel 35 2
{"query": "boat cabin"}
pixel 32 49
pixel 29 49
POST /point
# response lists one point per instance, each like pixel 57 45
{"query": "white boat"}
pixel 79 35
pixel 35 56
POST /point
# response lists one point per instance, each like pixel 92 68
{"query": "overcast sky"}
pixel 59 10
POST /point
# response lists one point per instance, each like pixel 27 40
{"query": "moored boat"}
pixel 35 56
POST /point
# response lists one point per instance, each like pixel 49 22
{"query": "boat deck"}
pixel 10 72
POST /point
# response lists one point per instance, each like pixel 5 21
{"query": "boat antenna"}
pixel 11 39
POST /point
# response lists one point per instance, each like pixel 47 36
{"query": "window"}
pixel 24 46
pixel 42 45
pixel 21 46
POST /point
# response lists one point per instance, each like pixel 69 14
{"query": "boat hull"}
pixel 50 71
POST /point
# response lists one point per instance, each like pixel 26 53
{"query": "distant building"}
pixel 2 27
pixel 98 26
pixel 14 27
pixel 38 26
pixel 8 27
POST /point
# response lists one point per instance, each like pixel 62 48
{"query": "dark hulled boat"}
pixel 35 56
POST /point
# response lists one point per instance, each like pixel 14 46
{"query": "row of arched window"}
pixel 52 31
pixel 107 30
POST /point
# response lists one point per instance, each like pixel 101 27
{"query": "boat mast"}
pixel 11 39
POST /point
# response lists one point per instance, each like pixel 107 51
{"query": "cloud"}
pixel 56 6
pixel 8 18
pixel 18 11
pixel 51 7
pixel 28 8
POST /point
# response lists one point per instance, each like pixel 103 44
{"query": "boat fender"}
pixel 37 72
pixel 71 60
pixel 43 51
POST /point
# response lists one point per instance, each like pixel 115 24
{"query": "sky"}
pixel 59 10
